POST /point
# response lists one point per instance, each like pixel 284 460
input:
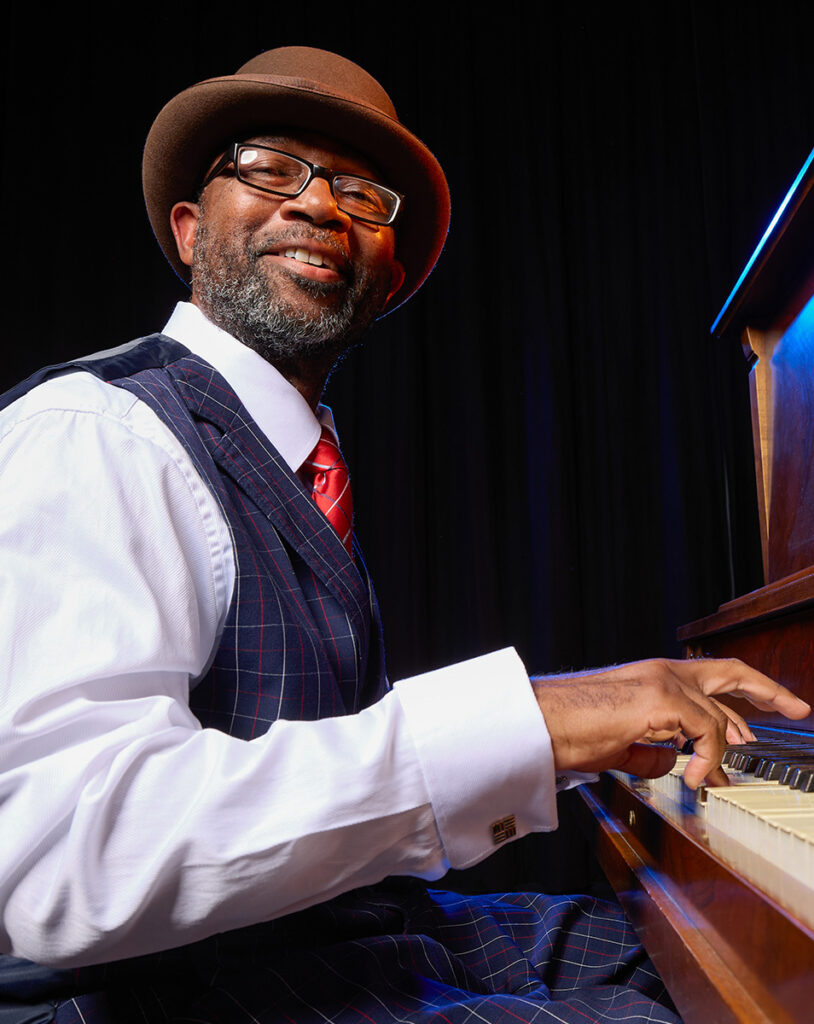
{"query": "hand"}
pixel 604 719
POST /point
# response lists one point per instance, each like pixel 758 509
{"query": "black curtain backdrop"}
pixel 538 438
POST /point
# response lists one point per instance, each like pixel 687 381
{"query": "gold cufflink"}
pixel 503 829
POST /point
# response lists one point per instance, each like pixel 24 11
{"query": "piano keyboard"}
pixel 763 823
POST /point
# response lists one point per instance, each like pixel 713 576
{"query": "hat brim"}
pixel 195 126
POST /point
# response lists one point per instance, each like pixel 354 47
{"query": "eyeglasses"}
pixel 281 174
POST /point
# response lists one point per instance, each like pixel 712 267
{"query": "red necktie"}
pixel 331 486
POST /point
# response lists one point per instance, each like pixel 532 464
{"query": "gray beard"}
pixel 235 293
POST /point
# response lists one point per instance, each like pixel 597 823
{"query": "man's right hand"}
pixel 606 718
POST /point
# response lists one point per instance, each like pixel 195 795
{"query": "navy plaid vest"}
pixel 303 641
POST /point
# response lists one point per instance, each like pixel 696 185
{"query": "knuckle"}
pixel 662 674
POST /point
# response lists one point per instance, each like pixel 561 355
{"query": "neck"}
pixel 304 370
pixel 308 377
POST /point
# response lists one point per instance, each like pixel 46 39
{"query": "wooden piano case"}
pixel 726 950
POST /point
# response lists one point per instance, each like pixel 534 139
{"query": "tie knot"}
pixel 326 457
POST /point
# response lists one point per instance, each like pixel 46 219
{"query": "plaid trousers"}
pixel 396 952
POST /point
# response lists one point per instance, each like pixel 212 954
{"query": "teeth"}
pixel 310 257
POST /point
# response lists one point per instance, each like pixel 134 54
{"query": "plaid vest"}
pixel 303 638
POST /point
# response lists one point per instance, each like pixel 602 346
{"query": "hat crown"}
pixel 321 71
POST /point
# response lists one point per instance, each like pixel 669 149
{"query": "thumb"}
pixel 646 761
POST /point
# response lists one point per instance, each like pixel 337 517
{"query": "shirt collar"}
pixel 276 406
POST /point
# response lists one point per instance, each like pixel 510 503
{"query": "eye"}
pixel 361 193
pixel 270 170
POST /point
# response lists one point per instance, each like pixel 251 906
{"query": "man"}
pixel 215 808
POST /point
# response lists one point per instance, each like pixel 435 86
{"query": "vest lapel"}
pixel 246 455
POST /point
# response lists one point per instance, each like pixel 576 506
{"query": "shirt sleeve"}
pixel 485 753
pixel 125 826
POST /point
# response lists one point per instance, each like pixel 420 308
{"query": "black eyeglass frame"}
pixel 315 171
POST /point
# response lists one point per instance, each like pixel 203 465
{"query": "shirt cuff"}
pixel 485 753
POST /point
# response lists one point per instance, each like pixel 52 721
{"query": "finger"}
pixel 717 777
pixel 730 675
pixel 719 711
pixel 737 729
pixel 704 722
pixel 734 735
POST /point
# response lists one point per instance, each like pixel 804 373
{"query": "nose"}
pixel 317 205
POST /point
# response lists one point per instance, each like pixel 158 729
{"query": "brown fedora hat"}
pixel 313 90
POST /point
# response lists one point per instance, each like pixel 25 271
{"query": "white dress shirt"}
pixel 125 827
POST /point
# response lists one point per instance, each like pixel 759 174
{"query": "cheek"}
pixel 375 248
pixel 238 211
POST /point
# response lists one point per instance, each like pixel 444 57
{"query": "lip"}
pixel 324 263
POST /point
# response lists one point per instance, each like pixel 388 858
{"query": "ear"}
pixel 184 223
pixel 396 279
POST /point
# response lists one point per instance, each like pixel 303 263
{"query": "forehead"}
pixel 317 149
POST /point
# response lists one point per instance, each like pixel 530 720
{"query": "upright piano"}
pixel 729 929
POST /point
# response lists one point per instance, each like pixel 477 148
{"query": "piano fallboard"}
pixel 725 949
pixel 772 629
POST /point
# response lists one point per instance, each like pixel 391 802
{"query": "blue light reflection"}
pixel 763 240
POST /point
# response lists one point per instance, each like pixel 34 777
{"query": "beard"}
pixel 237 292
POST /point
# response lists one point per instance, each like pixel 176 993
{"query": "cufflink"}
pixel 503 829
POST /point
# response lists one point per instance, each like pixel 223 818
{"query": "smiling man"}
pixel 295 266
pixel 214 806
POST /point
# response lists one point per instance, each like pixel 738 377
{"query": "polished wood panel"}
pixel 782 394
pixel 773 631
pixel 771 314
pixel 726 951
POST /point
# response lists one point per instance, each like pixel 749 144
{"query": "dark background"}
pixel 537 438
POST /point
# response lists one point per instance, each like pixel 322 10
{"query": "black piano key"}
pixel 748 762
pixel 797 775
pixel 784 778
pixel 773 759
pixel 778 765
pixel 784 756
